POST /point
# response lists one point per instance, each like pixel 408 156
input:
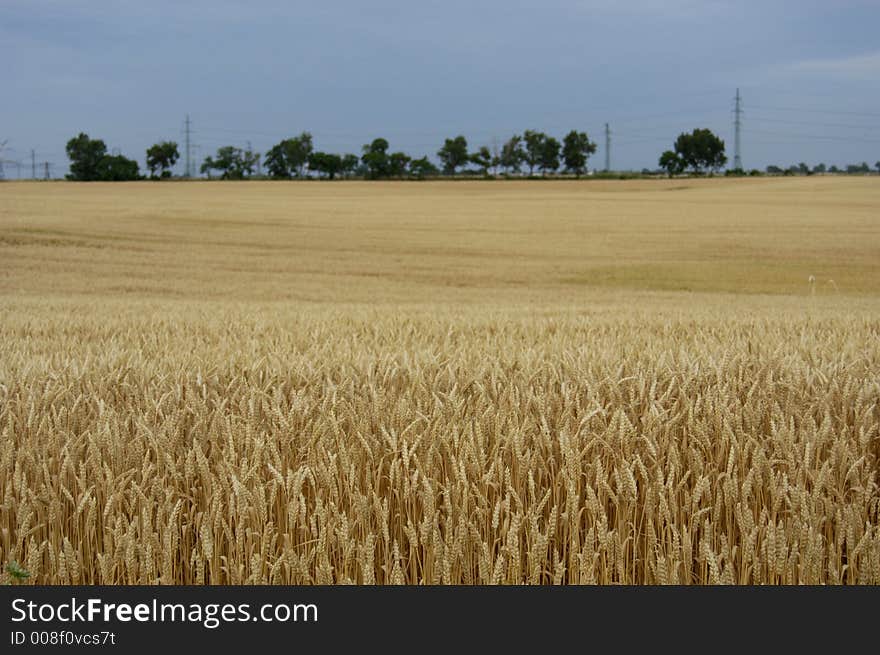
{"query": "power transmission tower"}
pixel 33 165
pixel 737 126
pixel 188 168
pixel 607 148
pixel 46 166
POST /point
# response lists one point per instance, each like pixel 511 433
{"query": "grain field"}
pixel 441 383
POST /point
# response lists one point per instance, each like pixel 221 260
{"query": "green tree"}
pixel 276 162
pixel 89 161
pixel 233 163
pixel 453 154
pixel 161 157
pixel 116 168
pixel 350 164
pixel 549 160
pixel 576 150
pixel 512 154
pixel 398 163
pixel 375 159
pixel 877 166
pixel 819 168
pixel 534 148
pixel 85 156
pixel 483 160
pixel 297 151
pixel 672 163
pixel 249 162
pixel 328 164
pixel 289 157
pixel 223 161
pixel 701 150
pixel 855 169
pixel 422 168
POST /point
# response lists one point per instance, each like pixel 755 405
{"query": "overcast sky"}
pixel 417 71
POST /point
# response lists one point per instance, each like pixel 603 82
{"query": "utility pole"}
pixel 46 169
pixel 33 165
pixel 188 168
pixel 607 148
pixel 737 126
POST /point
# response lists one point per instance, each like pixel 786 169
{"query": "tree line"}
pixel 803 169
pixel 698 152
pixel 296 157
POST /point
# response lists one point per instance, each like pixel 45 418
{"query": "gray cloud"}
pixel 128 71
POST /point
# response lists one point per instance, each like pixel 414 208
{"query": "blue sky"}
pixel 416 72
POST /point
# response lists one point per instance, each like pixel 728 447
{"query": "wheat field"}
pixel 441 383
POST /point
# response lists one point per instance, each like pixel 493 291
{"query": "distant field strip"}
pixel 469 241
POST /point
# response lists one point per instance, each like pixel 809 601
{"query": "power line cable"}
pixel 818 111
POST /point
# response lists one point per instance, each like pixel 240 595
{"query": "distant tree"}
pixel 276 162
pixel 576 150
pixel 161 157
pixel 328 164
pixel 549 160
pixel 375 159
pixel 453 154
pixel 316 162
pixel 877 166
pixel 85 156
pixel 774 170
pixel 534 148
pixel 422 168
pixel 233 163
pixel 833 169
pixel 398 163
pixel 803 169
pixel 701 150
pixel 819 168
pixel 482 159
pixel 855 169
pixel 89 162
pixel 350 164
pixel 495 150
pixel 249 162
pixel 512 154
pixel 297 151
pixel 223 162
pixel 116 168
pixel 289 157
pixel 672 163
